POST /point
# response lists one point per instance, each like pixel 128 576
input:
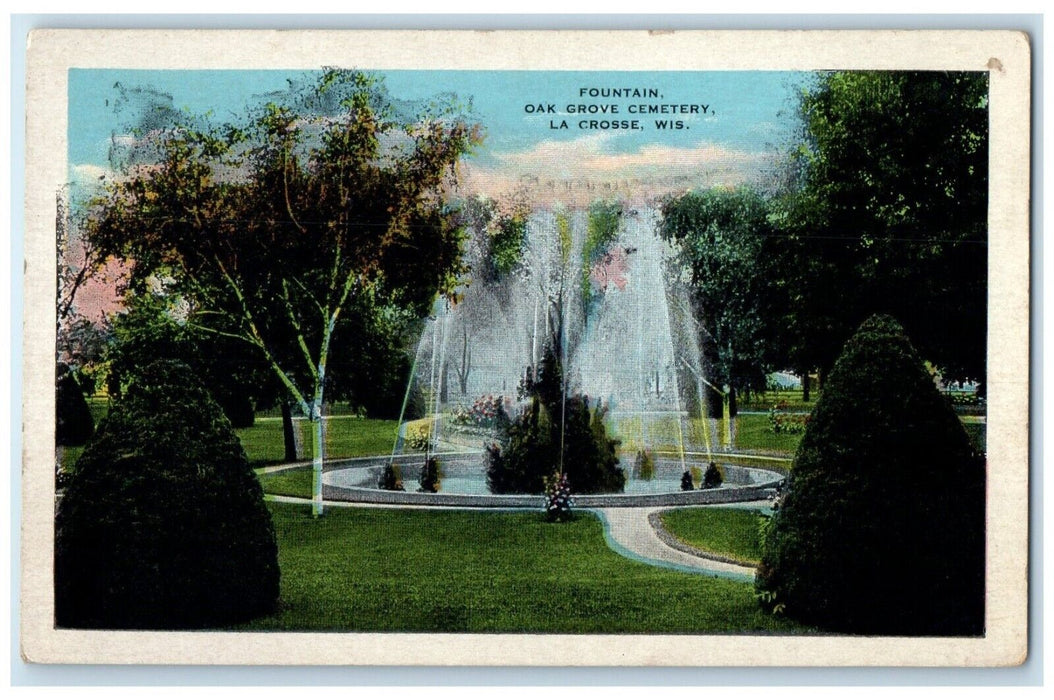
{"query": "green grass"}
pixel 659 433
pixel 297 482
pixel 730 532
pixel 364 569
pixel 792 397
pixel 753 432
pixel 346 436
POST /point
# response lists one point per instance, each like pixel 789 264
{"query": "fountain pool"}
pixel 464 484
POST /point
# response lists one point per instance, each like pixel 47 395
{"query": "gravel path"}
pixel 630 533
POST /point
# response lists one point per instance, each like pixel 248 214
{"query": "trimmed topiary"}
pixel 557 433
pixel 431 473
pixel 163 525
pixel 713 477
pixel 881 527
pixel 73 420
pixel 390 479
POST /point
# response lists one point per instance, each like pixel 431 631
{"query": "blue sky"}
pixel 741 118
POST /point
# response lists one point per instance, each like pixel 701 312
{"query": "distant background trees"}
pixel 884 210
pixel 722 235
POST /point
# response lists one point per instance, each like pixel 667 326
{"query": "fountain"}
pixel 625 337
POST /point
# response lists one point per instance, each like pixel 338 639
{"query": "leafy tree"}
pixel 150 329
pixel 881 527
pixel 888 215
pixel 721 235
pixel 601 231
pixel 275 230
pixel 163 524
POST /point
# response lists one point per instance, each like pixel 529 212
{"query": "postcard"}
pixel 552 348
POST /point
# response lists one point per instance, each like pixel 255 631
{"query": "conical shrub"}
pixel 881 530
pixel 163 525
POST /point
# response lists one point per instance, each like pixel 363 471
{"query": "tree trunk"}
pixel 444 383
pixel 732 409
pixel 317 453
pixel 805 386
pixel 288 434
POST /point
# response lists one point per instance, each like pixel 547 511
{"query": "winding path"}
pixel 631 533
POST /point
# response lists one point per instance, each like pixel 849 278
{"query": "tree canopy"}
pixel 277 227
pixel 721 235
pixel 887 213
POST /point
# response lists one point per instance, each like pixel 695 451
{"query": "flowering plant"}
pixel 486 412
pixel 558 499
pixel 781 422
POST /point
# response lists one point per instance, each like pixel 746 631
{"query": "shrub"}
pixel 528 455
pixel 686 481
pixel 390 479
pixel 532 443
pixel 486 412
pixel 163 524
pixel 713 477
pixel 430 476
pixel 881 525
pixel 418 438
pixel 73 420
pixel 784 423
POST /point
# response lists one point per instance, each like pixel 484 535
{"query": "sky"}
pixel 733 124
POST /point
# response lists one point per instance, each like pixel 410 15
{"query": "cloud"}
pixel 88 174
pixel 589 163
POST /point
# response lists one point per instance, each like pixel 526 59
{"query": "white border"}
pixel 52 52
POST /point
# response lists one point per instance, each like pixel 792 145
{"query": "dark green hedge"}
pixel 73 420
pixel 882 527
pixel 163 525
pixel 550 426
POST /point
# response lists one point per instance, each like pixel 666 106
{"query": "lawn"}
pixel 365 569
pixel 346 436
pixel 791 397
pixel 297 482
pixel 753 432
pixel 730 532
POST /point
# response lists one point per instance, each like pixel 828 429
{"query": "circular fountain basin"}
pixel 464 484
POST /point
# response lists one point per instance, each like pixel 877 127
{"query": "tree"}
pixel 720 235
pixel 881 529
pixel 888 214
pixel 151 329
pixel 163 524
pixel 276 229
